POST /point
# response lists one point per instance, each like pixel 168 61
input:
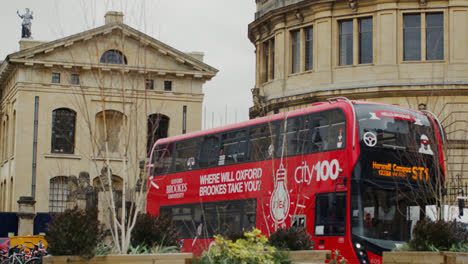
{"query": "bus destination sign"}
pixel 395 170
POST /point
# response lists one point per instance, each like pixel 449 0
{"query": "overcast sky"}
pixel 217 28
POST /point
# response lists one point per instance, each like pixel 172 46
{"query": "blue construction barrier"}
pixel 9 224
pixel 40 223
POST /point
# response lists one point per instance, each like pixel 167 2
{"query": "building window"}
pixel 55 77
pixel 58 194
pixel 309 48
pixel 158 125
pixel 113 57
pixel 167 85
pixel 365 40
pixel 295 51
pixel 149 85
pixel 75 78
pixel 272 59
pixel 412 37
pixel 63 131
pixel 269 60
pixel 434 36
pixel 346 42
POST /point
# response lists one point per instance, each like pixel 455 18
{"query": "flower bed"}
pixel 175 258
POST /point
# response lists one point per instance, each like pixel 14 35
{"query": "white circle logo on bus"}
pixel 370 139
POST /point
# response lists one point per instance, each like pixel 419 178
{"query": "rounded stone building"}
pixel 407 53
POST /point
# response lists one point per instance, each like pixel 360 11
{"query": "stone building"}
pixel 408 53
pixel 68 102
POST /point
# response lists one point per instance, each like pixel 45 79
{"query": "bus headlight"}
pixel 358 246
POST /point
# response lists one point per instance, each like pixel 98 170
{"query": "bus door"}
pixel 330 222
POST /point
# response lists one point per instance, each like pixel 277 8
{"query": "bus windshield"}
pixel 384 217
pixel 390 127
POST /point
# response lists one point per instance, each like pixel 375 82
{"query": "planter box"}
pixel 410 257
pixel 172 258
pixel 309 256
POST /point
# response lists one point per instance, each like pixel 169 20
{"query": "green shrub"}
pixel 153 231
pixel 291 238
pixel 74 232
pixel 438 235
pixel 337 258
pixel 253 249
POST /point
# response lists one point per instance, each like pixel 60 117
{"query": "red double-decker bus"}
pixel 356 175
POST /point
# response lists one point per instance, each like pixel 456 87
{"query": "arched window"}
pixel 158 125
pixel 13 134
pixel 58 194
pixel 110 131
pixel 113 57
pixel 63 131
pixel 5 138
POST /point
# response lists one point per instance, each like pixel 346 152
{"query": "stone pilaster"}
pixel 26 213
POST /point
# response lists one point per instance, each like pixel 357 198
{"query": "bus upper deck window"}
pixel 162 158
pixel 209 151
pixel 186 152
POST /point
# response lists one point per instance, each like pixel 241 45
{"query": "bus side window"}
pixel 162 159
pixel 330 214
pixel 209 151
pixel 262 143
pixel 234 147
pixel 182 218
pixel 337 129
pixel 318 134
pixel 289 140
pixel 186 152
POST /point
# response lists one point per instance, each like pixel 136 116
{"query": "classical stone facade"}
pixel 68 102
pixel 408 53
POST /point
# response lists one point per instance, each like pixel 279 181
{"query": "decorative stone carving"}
pixel 353 4
pixel 26 25
pixel 299 16
pixel 84 185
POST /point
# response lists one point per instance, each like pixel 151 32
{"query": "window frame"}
pixel 356 40
pixel 58 188
pixel 295 49
pixel 113 56
pixel 55 135
pixel 309 48
pixel 268 60
pixel 168 87
pixel 75 79
pixel 342 36
pixel 149 84
pixel 423 35
pixel 360 40
pixel 55 77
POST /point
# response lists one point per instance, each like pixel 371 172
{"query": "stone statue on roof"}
pixel 26 25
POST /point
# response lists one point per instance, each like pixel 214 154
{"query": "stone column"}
pixel 26 213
